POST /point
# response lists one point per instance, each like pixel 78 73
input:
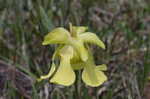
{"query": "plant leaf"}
pixel 46 20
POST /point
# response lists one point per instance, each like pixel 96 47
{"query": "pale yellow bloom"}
pixel 74 55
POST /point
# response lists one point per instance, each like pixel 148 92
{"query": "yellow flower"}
pixel 74 55
pixel 76 38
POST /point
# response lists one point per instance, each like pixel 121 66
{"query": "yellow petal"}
pixel 76 57
pixel 93 77
pixel 76 61
pixel 65 74
pixel 102 67
pixel 92 38
pixel 66 52
pixel 79 29
pixel 49 74
pixel 57 36
pixel 79 46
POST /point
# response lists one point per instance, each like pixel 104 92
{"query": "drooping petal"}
pixel 57 36
pixel 79 46
pixel 93 77
pixel 53 67
pixel 102 67
pixel 92 38
pixel 91 74
pixel 65 74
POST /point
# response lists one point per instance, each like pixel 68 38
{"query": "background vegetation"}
pixel 124 26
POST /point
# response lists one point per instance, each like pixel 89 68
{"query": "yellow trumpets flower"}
pixel 74 55
pixel 92 75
